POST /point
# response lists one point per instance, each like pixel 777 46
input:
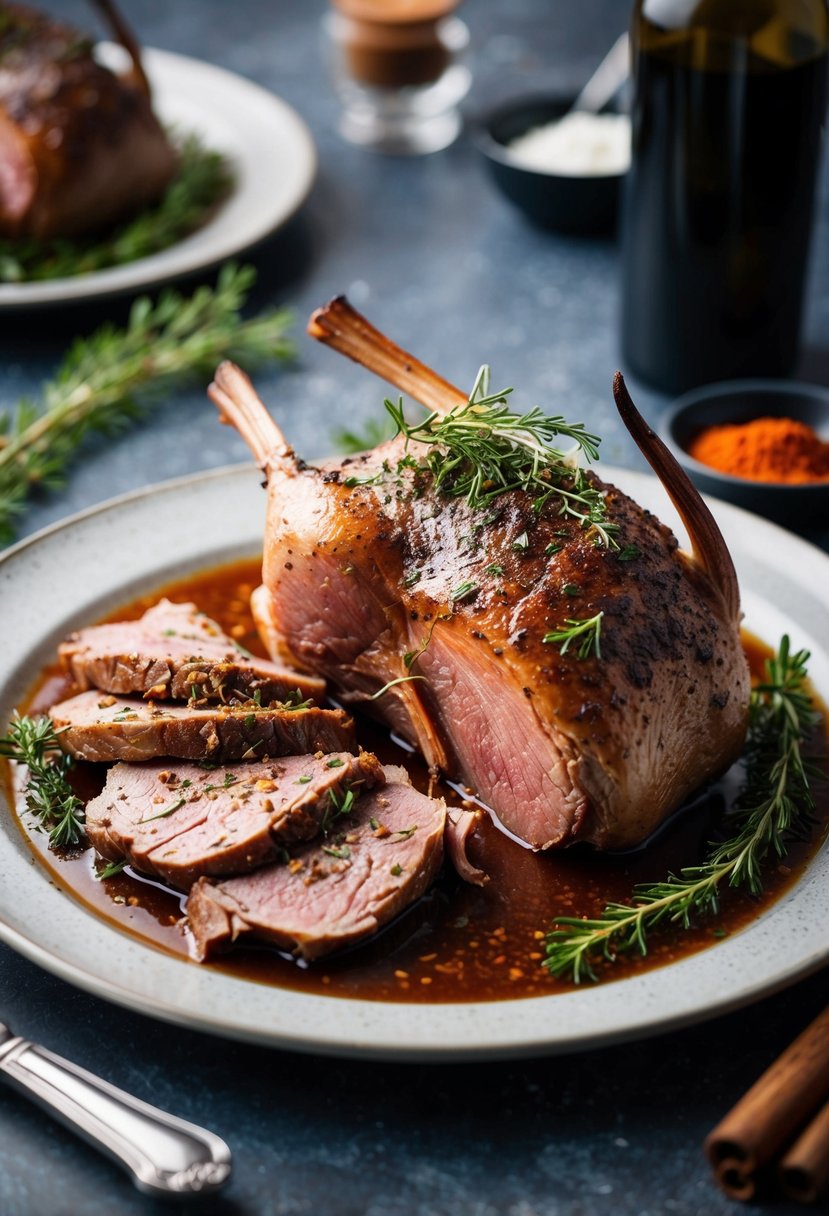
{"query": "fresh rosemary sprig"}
pixel 49 796
pixel 482 449
pixel 202 181
pixel 589 630
pixel 774 805
pixel 108 379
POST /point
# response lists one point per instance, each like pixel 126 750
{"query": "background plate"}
pixel 266 144
pixel 79 570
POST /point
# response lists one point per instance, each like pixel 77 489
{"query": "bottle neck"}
pixel 733 35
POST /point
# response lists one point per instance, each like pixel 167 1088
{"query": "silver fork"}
pixel 163 1154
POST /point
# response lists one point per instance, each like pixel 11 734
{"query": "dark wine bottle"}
pixel 728 111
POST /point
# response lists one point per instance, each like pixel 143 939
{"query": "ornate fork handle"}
pixel 165 1155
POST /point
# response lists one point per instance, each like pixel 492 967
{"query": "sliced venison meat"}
pixel 175 651
pixel 336 891
pixel 180 821
pixel 101 727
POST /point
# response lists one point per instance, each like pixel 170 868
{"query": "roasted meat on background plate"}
pixel 80 147
pixel 362 565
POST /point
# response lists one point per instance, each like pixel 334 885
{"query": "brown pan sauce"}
pixel 459 942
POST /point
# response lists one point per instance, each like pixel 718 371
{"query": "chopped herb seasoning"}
pixel 463 592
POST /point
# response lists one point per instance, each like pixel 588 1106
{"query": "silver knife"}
pixel 164 1155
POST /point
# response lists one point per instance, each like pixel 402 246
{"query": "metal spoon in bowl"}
pixel 165 1156
pixel 607 79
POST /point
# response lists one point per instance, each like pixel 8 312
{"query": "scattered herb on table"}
pixel 374 432
pixel 202 182
pixel 774 806
pixel 49 796
pixel 108 379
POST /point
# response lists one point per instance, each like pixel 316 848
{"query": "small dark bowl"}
pixel 804 504
pixel 578 204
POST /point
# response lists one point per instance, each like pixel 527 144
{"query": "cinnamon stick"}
pixel 804 1171
pixel 341 327
pixel 776 1108
pixel 735 1181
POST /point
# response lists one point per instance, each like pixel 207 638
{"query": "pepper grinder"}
pixel 397 70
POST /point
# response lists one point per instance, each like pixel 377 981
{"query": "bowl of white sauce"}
pixel 564 169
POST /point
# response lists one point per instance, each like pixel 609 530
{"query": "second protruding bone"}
pixel 708 546
pixel 341 327
pixel 242 407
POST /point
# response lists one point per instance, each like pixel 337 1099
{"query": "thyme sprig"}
pixel 774 805
pixel 107 380
pixel 483 449
pixel 49 796
pixel 202 181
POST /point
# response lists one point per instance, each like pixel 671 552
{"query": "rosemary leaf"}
pixel 108 380
pixel 49 796
pixel 774 805
pixel 482 449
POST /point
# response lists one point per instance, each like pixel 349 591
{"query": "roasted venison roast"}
pixel 367 564
pixel 80 147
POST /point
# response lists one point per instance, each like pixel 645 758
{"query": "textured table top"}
pixel 428 250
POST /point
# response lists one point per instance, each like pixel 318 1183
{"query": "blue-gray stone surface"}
pixel 446 266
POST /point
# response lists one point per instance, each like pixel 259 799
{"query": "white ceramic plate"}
pixel 79 570
pixel 265 142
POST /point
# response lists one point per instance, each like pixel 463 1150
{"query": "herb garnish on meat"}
pixel 482 449
pixel 774 806
pixel 589 631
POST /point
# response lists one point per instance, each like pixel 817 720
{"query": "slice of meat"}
pixel 334 892
pixel 181 821
pixel 100 727
pixel 175 651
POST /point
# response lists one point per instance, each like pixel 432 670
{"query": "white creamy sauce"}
pixel 578 145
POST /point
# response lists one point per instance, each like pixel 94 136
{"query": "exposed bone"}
pixel 240 406
pixel 709 549
pixel 128 41
pixel 341 327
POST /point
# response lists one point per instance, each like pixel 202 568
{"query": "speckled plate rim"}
pixel 267 145
pixel 81 568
